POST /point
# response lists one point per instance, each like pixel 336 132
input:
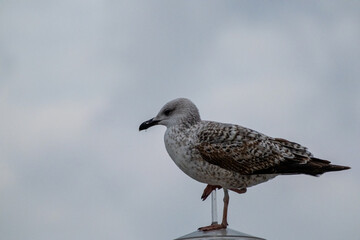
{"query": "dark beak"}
pixel 147 124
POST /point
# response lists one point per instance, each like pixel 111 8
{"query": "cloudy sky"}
pixel 78 77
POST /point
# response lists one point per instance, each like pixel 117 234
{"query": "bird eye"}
pixel 167 112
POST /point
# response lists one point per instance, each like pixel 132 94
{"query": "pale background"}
pixel 78 77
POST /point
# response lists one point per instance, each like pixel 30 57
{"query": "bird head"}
pixel 177 111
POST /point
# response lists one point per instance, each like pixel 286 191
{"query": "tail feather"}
pixel 313 167
pixel 319 166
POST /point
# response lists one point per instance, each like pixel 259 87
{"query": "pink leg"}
pixel 224 223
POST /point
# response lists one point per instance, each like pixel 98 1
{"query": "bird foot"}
pixel 212 227
pixel 207 191
pixel 239 191
pixel 209 188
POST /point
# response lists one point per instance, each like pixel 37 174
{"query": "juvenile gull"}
pixel 229 156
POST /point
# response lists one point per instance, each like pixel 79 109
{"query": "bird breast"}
pixel 180 145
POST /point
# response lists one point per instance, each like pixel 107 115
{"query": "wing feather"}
pixel 246 151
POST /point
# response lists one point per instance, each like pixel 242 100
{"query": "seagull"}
pixel 229 156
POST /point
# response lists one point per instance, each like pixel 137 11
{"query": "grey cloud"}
pixel 77 78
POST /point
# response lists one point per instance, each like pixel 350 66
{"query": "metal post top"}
pixel 222 234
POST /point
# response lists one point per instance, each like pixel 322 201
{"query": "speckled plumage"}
pixel 204 159
pixel 228 155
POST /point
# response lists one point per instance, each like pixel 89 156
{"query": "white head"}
pixel 177 111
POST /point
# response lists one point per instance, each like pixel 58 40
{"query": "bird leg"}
pixel 225 210
pixel 223 225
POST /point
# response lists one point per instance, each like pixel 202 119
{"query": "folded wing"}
pixel 246 151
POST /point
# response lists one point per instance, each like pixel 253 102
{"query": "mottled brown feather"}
pixel 247 152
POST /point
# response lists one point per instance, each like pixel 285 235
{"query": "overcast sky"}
pixel 78 77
